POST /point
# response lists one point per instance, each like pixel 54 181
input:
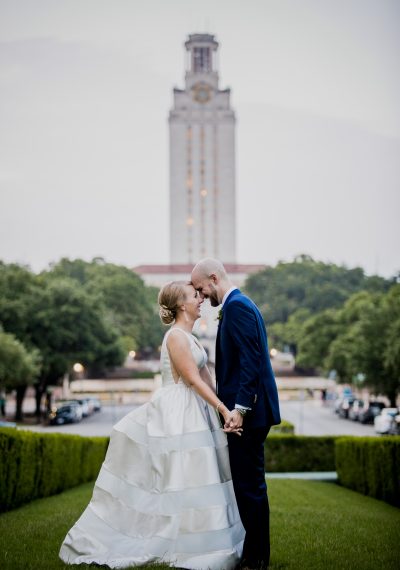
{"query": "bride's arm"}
pixel 207 378
pixel 184 364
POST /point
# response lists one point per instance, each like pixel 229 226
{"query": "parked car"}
pixel 383 422
pixel 395 426
pixel 337 404
pixel 65 413
pixel 7 424
pixel 84 405
pixel 370 411
pixel 96 404
pixel 355 409
pixel 346 393
pixel 90 405
pixel 345 407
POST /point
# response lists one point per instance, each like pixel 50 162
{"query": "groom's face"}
pixel 207 289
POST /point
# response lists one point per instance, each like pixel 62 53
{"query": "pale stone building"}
pixel 202 160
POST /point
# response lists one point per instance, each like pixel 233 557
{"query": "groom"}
pixel 246 385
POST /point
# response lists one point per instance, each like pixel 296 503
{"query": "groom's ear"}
pixel 214 278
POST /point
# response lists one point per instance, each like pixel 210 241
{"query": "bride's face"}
pixel 192 302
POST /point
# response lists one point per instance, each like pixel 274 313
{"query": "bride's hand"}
pixel 237 431
pixel 227 415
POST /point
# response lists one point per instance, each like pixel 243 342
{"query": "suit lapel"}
pixel 218 352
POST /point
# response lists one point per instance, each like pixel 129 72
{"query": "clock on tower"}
pixel 201 92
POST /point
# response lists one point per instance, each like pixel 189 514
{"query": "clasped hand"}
pixel 234 423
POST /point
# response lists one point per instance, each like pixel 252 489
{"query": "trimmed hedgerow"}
pixel 298 453
pixel 283 427
pixel 370 465
pixel 34 465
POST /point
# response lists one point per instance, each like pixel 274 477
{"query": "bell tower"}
pixel 202 160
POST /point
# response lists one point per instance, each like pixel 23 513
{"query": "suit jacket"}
pixel 243 367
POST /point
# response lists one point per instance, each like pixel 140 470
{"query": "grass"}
pixel 321 526
pixel 314 526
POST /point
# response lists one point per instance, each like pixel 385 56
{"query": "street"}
pixel 310 417
pixel 100 423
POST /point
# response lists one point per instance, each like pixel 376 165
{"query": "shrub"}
pixel 370 465
pixel 34 465
pixel 283 427
pixel 142 374
pixel 285 453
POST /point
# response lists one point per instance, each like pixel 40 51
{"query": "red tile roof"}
pixel 186 268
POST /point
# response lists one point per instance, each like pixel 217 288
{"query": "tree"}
pixel 18 287
pixel 368 343
pixel 19 367
pixel 391 354
pixel 391 360
pixel 317 334
pixel 304 283
pixel 131 306
pixel 289 333
pixel 68 325
pixel 77 311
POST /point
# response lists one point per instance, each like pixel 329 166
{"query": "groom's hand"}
pixel 235 421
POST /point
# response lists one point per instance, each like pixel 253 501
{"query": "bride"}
pixel 164 492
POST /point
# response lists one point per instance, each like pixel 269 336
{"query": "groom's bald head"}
pixel 208 267
pixel 211 280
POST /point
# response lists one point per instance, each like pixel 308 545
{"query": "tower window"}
pixel 201 59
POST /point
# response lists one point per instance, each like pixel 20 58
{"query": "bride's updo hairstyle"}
pixel 170 298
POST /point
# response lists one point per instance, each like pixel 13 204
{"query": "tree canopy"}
pixel 306 284
pixel 131 306
pixel 18 366
pixel 76 312
pixel 333 319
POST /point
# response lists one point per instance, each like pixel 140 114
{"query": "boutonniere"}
pixel 220 314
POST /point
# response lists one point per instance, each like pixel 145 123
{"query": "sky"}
pixel 85 92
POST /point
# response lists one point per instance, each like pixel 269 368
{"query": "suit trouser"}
pixel 246 454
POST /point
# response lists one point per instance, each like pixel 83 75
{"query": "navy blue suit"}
pixel 244 376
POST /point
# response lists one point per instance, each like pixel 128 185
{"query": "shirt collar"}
pixel 224 298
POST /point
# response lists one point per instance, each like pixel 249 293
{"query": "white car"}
pixel 383 422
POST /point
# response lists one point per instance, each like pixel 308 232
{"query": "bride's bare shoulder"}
pixel 177 338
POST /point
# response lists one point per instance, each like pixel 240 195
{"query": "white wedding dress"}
pixel 164 492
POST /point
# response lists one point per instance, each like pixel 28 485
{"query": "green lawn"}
pixel 314 525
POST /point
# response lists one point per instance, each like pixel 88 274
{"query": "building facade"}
pixel 202 161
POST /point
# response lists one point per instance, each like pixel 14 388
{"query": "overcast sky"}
pixel 85 91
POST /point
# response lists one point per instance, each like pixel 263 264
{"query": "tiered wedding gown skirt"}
pixel 164 492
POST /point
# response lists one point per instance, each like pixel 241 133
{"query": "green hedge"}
pixel 283 427
pixel 34 465
pixel 291 453
pixel 142 374
pixel 370 465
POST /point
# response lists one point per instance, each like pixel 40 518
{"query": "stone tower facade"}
pixel 202 161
